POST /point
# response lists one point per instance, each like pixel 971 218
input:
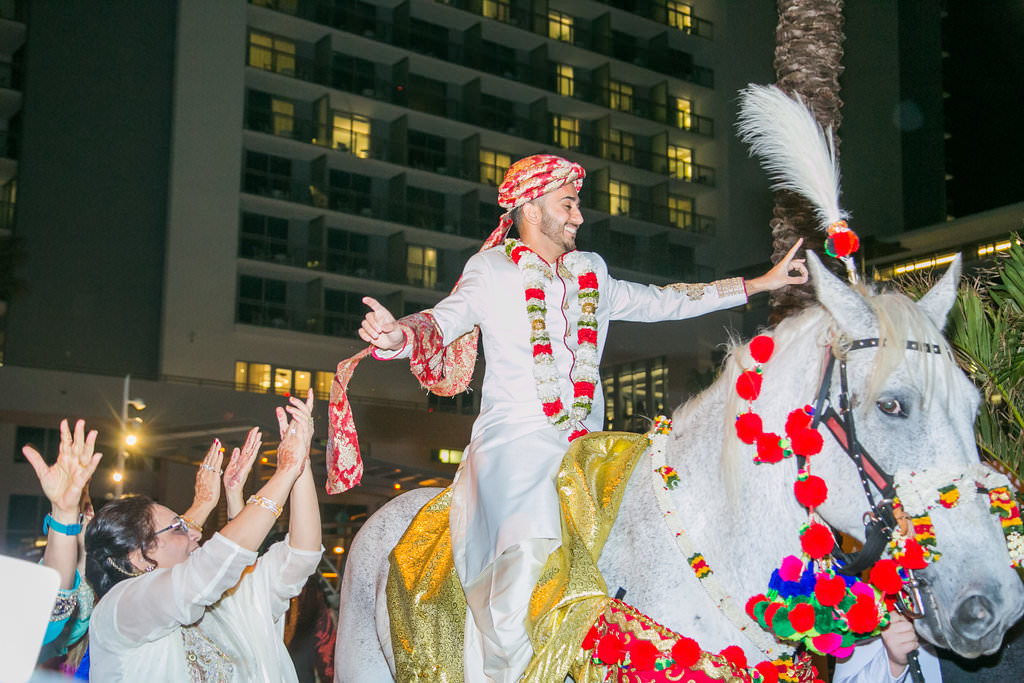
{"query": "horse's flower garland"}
pixel 585 373
pixel 807 601
pixel 637 649
pixel 1003 505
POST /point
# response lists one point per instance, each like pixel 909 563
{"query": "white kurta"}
pixel 504 492
pixel 136 632
pixel 869 663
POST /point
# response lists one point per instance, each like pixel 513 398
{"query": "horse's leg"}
pixel 363 650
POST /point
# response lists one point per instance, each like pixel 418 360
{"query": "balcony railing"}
pixel 365 22
pixel 458 166
pixel 369 206
pixel 299 319
pixel 638 208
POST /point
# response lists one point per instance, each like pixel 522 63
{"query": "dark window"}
pixel 623 46
pixel 263 237
pixel 497 59
pixel 352 74
pixel 24 520
pixel 44 440
pixel 426 151
pixel 428 38
pixel 348 253
pixel 427 95
pixel 349 192
pixel 343 312
pixel 267 174
pixel 498 114
pixel 261 301
pixel 425 208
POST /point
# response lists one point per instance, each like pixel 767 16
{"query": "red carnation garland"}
pixel 798 604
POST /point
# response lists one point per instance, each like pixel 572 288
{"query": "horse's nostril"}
pixel 974 616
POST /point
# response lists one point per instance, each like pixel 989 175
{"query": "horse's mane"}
pixel 898 320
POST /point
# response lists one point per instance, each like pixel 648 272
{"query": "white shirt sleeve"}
pixel 281 572
pixel 869 663
pixel 649 303
pixel 463 309
pixel 149 606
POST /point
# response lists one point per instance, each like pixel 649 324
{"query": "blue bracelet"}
pixel 67 529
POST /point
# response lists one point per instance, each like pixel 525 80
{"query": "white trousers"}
pixel 497 647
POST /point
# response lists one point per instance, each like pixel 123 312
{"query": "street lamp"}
pixel 126 438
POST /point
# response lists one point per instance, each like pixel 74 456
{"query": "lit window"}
pixel 421 266
pixel 494 9
pixel 680 16
pixel 284 117
pixel 620 96
pixel 566 132
pixel 566 85
pixel 493 166
pixel 301 385
pixel 618 198
pixel 619 146
pixel 271 54
pixel 684 109
pixel 259 377
pixel 450 456
pixel 560 26
pixel 680 162
pixel 635 393
pixel 680 212
pixel 323 385
pixel 352 134
pixel 282 381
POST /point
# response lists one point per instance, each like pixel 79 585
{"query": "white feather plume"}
pixel 795 152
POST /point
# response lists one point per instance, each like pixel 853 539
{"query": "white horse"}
pixel 912 410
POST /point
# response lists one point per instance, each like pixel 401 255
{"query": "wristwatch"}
pixel 67 529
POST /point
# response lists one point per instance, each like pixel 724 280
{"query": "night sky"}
pixel 985 81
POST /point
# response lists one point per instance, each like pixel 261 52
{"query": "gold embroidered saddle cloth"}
pixel 427 606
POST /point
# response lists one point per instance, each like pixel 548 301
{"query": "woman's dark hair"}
pixel 120 526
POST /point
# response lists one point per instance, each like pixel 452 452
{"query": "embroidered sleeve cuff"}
pixel 380 354
pixel 730 287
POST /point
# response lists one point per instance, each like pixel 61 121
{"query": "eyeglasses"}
pixel 179 525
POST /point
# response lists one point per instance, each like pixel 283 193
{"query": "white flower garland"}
pixel 585 374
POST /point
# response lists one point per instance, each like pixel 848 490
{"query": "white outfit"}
pixel 869 663
pixel 216 615
pixel 504 499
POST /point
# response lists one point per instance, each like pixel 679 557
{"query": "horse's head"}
pixel 913 411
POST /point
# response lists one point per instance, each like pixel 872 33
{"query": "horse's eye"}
pixel 891 406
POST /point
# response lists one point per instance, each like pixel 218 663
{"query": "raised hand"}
pixel 296 435
pixel 379 327
pixel 208 481
pixel 238 469
pixel 65 480
pixel 781 273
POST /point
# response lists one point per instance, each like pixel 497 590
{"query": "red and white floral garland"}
pixel 585 373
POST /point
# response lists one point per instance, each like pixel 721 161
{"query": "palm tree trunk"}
pixel 808 51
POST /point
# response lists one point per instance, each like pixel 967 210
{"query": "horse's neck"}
pixel 743 528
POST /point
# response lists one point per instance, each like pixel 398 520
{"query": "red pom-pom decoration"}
pixel 802 617
pixel 769 672
pixel 748 385
pixel 768 448
pixel 748 427
pixel 862 617
pixel 913 555
pixel 757 599
pixel 829 590
pixel 761 348
pixel 591 638
pixel 885 576
pixel 610 649
pixel 842 243
pixel 810 492
pixel 805 441
pixel 817 541
pixel 798 419
pixel 735 655
pixel 686 652
pixel 643 655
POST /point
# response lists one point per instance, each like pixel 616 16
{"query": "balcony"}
pixel 430 159
pixel 362 19
pixel 298 319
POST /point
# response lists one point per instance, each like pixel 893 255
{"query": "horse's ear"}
pixel 853 315
pixel 937 301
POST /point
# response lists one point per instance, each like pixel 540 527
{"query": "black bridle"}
pixel 880 520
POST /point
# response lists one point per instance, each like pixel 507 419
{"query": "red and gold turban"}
pixel 529 178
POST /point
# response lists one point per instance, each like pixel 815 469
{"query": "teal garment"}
pixel 63 633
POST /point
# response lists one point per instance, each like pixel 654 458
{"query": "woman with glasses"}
pixel 169 609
